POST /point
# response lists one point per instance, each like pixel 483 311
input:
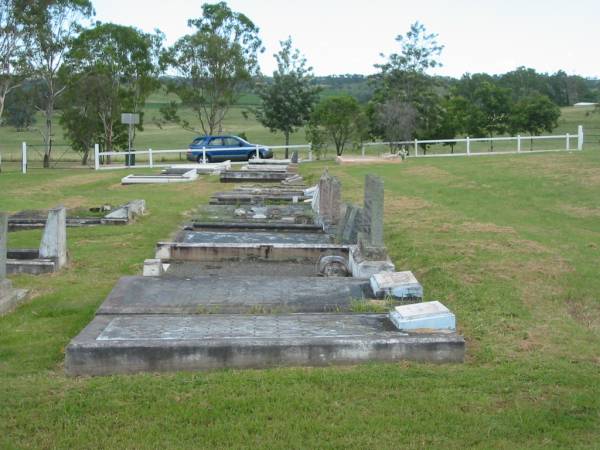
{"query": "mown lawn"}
pixel 510 243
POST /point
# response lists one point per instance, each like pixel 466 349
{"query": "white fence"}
pixel 566 144
pixel 152 155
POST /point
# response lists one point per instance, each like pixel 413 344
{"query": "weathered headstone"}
pixel 328 199
pixel 370 256
pixel 295 157
pixel 373 211
pixel 54 239
pixel 350 225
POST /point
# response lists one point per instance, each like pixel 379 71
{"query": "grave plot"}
pixel 51 255
pixel 101 215
pixel 264 172
pixel 170 176
pixel 226 294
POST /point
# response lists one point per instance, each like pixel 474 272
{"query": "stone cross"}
pixel 3 247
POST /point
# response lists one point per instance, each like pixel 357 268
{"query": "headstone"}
pixel 335 199
pixel 295 157
pixel 400 285
pixel 373 210
pixel 429 316
pixel 350 225
pixel 54 239
pixel 9 297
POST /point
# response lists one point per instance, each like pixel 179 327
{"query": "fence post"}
pixel 468 146
pixel 580 137
pixel 258 153
pixel 96 157
pixel 203 155
pixel 150 158
pixel 310 155
pixel 518 143
pixel 416 148
pixel 568 142
pixel 24 158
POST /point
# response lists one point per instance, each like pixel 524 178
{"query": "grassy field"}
pixel 159 136
pixel 511 244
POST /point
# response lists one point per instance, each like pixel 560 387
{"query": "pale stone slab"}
pixel 428 316
pixel 153 268
pixel 54 240
pixel 396 284
pixel 365 268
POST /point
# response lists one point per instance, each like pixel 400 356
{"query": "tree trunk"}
pixel 84 159
pixel 287 142
pixel 48 135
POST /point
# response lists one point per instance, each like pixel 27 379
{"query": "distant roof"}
pixel 585 104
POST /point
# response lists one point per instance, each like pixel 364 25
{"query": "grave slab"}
pixel 233 295
pixel 131 344
pixel 251 237
pixel 423 316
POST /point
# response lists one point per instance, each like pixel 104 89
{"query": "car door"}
pixel 236 151
pixel 215 148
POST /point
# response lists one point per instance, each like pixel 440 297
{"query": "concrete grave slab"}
pixel 399 285
pixel 163 343
pixel 251 237
pixel 423 316
pixel 233 295
pixel 186 177
pixel 230 268
pixel 205 252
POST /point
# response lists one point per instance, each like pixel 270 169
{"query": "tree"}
pixel 341 117
pixel 214 63
pixel 397 119
pixel 287 102
pixel 403 79
pixel 109 70
pixel 534 114
pixel 12 49
pixel 51 25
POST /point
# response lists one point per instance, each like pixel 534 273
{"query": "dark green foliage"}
pixel 341 117
pixel 287 102
pixel 214 63
pixel 20 107
pixel 110 69
pixel 534 114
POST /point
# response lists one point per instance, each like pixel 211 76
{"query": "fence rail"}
pixel 416 144
pixel 99 157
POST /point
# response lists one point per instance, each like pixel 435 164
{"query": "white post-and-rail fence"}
pixel 412 147
pixel 151 154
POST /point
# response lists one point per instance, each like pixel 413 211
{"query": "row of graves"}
pixel 271 273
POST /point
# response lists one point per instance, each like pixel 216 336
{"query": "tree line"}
pixel 54 57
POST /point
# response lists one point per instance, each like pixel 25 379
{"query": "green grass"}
pixel 510 244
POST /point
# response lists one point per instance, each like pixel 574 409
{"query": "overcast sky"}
pixel 347 36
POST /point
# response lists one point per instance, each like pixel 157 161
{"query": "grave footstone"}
pixel 399 285
pixel 428 316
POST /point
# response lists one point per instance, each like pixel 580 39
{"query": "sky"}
pixel 348 36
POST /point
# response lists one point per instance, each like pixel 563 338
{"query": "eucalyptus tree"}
pixel 213 64
pixel 51 25
pixel 110 69
pixel 534 114
pixel 342 119
pixel 288 100
pixel 403 80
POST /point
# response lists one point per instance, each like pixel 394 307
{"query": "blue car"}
pixel 223 148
